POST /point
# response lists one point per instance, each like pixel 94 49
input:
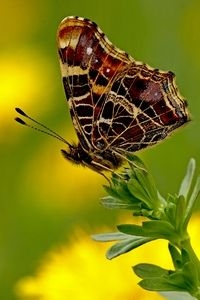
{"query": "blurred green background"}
pixel 43 197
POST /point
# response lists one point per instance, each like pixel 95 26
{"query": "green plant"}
pixel 134 189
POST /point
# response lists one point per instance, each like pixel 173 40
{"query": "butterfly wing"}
pixel 89 65
pixel 142 108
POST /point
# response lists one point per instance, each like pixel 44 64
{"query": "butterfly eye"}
pixel 100 145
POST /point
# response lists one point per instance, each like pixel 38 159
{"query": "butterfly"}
pixel 117 105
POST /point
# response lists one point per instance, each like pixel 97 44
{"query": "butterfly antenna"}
pixel 45 129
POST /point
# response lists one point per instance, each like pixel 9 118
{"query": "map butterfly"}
pixel 117 105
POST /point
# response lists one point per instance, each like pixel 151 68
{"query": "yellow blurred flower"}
pixel 80 271
pixel 25 79
pixel 25 76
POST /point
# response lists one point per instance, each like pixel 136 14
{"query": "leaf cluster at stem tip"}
pixel 166 218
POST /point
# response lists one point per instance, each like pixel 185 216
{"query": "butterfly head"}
pixel 96 160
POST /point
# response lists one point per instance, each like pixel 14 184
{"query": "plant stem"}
pixel 186 245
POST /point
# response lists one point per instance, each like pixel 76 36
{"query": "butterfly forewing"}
pixel 89 65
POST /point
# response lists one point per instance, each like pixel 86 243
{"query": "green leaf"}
pixel 149 270
pixel 176 296
pixel 158 284
pixel 187 180
pixel 110 236
pixel 135 162
pixel 131 229
pixel 177 279
pixel 137 190
pixel 126 246
pixel 148 184
pixel 170 211
pixel 141 186
pixel 165 281
pixel 159 229
pixel 111 190
pixel 115 203
pixel 191 276
pixel 179 212
pixel 161 198
pixel 119 191
pixel 185 255
pixel 176 256
pixel 191 202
